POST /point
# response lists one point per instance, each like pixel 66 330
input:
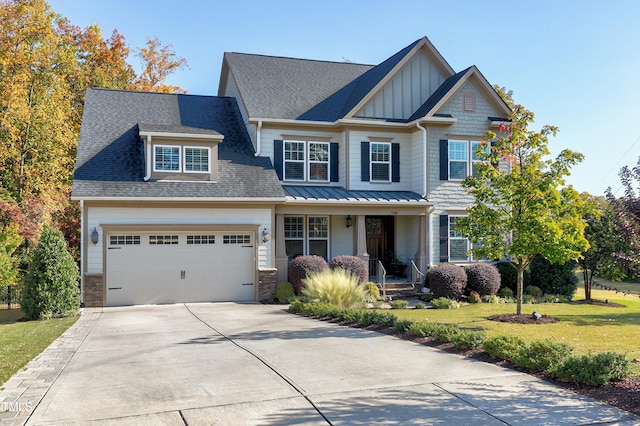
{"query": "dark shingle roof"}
pixel 340 103
pixel 110 158
pixel 338 193
pixel 276 87
pixel 438 95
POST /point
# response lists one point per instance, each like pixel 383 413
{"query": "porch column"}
pixel 421 253
pixel 361 239
pixel 282 261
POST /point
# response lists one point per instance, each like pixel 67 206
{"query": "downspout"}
pixel 430 239
pixel 425 184
pixel 258 137
pixel 82 249
pixel 147 149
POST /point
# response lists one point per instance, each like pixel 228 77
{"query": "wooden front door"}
pixel 379 240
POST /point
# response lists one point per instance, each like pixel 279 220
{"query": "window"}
pixel 380 162
pixel 192 160
pixel 306 161
pixel 236 239
pixel 458 244
pixel 166 158
pixel 459 154
pixel 124 240
pixel 196 159
pixel 306 236
pixel 159 240
pixel 201 239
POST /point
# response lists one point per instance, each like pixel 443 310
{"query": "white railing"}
pixel 417 277
pixel 382 279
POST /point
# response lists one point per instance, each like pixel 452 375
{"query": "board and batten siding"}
pixel 97 216
pixel 406 91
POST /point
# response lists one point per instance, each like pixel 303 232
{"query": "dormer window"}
pixel 180 153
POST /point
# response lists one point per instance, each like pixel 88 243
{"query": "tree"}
pixel 626 212
pixel 158 63
pixel 51 285
pixel 522 207
pixel 605 243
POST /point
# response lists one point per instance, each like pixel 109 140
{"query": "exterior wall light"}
pixel 265 235
pixel 349 221
pixel 94 236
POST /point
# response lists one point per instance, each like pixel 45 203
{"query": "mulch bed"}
pixel 624 394
pixel 523 319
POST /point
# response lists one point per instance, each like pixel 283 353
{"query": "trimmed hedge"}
pixel 352 264
pixel 447 280
pixel 482 278
pixel 509 276
pixel 303 266
pixel 285 292
pixel 553 278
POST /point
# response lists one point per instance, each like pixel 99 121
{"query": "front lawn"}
pixel 587 328
pixel 21 341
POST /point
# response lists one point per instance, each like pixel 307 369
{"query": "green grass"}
pixel 21 341
pixel 587 328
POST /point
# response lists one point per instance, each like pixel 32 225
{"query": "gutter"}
pixel 147 149
pixel 425 157
pixel 258 138
pixel 82 249
pixel 353 122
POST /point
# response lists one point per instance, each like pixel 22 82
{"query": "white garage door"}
pixel 171 267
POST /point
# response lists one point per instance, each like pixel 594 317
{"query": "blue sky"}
pixel 575 64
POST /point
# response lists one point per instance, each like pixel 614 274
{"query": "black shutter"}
pixel 278 148
pixel 444 238
pixel 333 167
pixel 493 163
pixel 395 162
pixel 444 159
pixel 364 162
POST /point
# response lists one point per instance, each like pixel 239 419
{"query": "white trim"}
pixel 355 122
pixel 371 162
pixel 217 137
pixel 256 200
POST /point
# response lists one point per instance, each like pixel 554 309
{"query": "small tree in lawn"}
pixel 522 207
pixel 605 243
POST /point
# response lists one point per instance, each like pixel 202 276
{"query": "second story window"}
pixel 196 159
pixel 178 159
pixel 380 162
pixel 460 158
pixel 166 158
pixel 306 161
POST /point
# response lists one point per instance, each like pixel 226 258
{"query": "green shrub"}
pixel 398 304
pixel 543 355
pixel 351 315
pixel 505 346
pixel 372 291
pixel 534 291
pixel 492 298
pixel 444 303
pixel 353 264
pixel 303 266
pixel 553 278
pixel 554 298
pixel 335 286
pixel 467 338
pixel 402 325
pixel 296 306
pixel 419 305
pixel 482 278
pixel 445 332
pixel 447 280
pixel 594 370
pixel 528 298
pixel 474 297
pixel 505 292
pixel 509 276
pixel 52 284
pixel 285 292
pixel 422 328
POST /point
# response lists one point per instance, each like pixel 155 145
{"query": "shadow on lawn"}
pixel 605 318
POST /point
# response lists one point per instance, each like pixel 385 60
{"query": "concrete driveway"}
pixel 234 364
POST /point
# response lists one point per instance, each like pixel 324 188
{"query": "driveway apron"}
pixel 228 363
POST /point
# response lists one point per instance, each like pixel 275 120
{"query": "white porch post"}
pixel 421 253
pixel 282 261
pixel 361 239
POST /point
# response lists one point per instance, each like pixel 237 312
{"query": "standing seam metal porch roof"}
pixel 338 193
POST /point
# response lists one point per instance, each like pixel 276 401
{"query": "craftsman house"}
pixel 207 198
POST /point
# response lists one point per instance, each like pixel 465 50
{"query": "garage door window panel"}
pixel 124 240
pixel 236 239
pixel 201 239
pixel 159 240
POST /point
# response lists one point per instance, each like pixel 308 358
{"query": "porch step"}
pixel 398 289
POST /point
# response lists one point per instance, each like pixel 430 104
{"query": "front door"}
pixel 379 241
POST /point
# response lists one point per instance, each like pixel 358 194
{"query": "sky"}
pixel 575 64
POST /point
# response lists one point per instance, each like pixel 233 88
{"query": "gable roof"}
pixel 110 157
pixel 278 87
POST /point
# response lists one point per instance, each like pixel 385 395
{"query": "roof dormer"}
pixel 180 153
